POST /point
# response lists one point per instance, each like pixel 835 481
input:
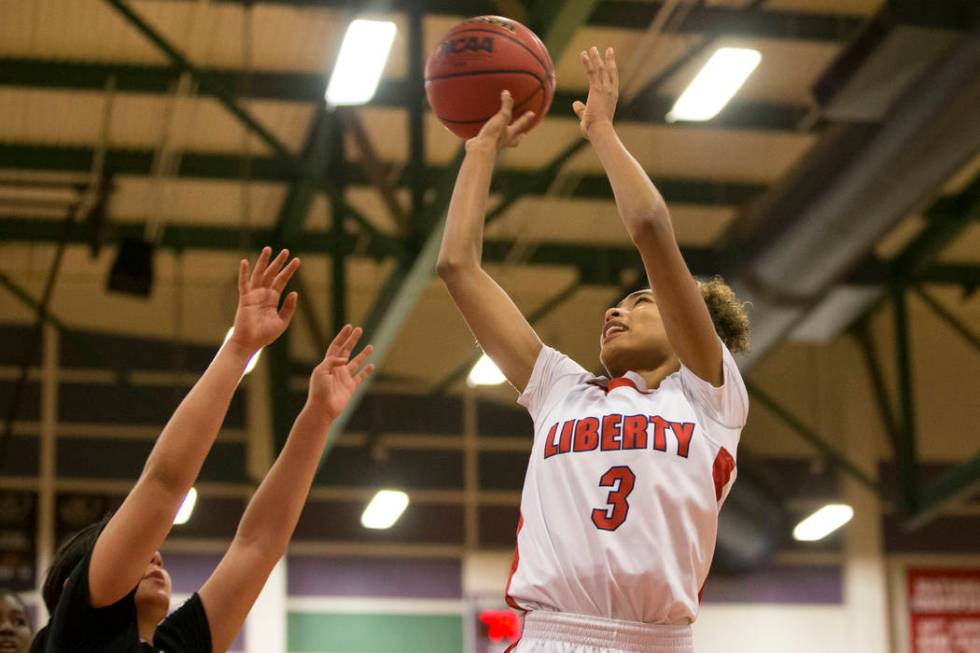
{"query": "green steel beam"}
pixel 296 204
pixel 905 454
pixel 206 85
pixel 648 107
pixel 633 15
pixel 535 316
pixel 959 482
pixel 406 284
pixel 862 333
pixel 954 323
pixel 816 440
pixel 600 265
pixel 122 161
pixel 557 22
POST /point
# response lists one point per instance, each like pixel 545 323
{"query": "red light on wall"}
pixel 501 625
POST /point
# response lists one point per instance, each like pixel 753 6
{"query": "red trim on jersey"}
pixel 721 474
pixel 623 382
pixel 721 471
pixel 513 566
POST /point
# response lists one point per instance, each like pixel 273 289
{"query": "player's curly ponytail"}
pixel 727 313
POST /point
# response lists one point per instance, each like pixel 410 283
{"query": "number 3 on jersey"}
pixel 621 479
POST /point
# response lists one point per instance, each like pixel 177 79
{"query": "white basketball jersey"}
pixel 619 511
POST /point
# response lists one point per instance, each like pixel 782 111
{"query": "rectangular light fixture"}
pixel 485 372
pixel 252 362
pixel 715 84
pixel 384 509
pixel 823 522
pixel 362 59
pixel 186 508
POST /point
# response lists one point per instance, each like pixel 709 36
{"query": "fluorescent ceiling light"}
pixel 385 509
pixel 485 372
pixel 362 59
pixel 715 85
pixel 186 508
pixel 252 362
pixel 823 522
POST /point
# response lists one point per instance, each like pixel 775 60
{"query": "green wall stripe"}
pixel 374 633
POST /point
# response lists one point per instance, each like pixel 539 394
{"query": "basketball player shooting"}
pixel 619 511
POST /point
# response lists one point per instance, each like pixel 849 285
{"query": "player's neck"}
pixel 147 625
pixel 653 377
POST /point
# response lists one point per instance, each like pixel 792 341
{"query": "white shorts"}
pixel 560 632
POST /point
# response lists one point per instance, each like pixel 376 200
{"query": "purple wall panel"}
pixel 952 534
pixel 778 584
pixel 430 578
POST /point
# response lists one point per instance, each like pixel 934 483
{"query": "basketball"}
pixel 477 60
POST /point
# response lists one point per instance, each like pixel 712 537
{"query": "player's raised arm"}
pixel 501 329
pixel 644 213
pixel 136 530
pixel 271 515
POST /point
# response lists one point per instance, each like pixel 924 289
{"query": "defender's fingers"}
pixel 579 108
pixel 358 361
pixel 351 342
pixel 288 308
pixel 339 340
pixel 274 267
pixel 260 265
pixel 282 279
pixel 363 374
pixel 242 277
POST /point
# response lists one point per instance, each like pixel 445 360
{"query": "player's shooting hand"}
pixel 600 107
pixel 499 132
pixel 259 320
pixel 336 378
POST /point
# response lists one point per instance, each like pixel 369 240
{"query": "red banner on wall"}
pixel 944 610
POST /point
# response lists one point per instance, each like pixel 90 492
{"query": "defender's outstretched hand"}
pixel 336 378
pixel 600 107
pixel 499 132
pixel 259 320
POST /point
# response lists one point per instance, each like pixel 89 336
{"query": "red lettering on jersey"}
pixel 683 431
pixel 611 432
pixel 587 434
pixel 635 432
pixel 565 441
pixel 550 446
pixel 659 432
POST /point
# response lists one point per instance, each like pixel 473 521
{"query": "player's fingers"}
pixel 506 105
pixel 274 267
pixel 363 374
pixel 596 60
pixel 242 277
pixel 339 340
pixel 358 361
pixel 522 124
pixel 279 283
pixel 288 308
pixel 260 265
pixel 611 69
pixel 587 64
pixel 579 108
pixel 351 342
pixel 334 361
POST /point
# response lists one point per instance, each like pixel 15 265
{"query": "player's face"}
pixel 153 593
pixel 633 335
pixel 15 629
